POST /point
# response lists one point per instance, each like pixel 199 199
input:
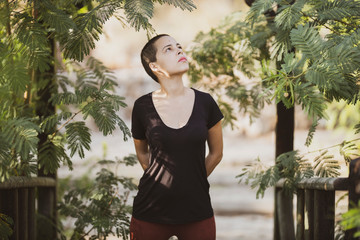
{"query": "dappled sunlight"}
pixel 164 174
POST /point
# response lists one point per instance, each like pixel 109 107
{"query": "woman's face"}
pixel 170 58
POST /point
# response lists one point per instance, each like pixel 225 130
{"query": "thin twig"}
pixel 87 233
pixel 70 119
pixel 336 145
pixel 62 126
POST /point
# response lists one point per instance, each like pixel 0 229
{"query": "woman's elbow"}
pixel 218 156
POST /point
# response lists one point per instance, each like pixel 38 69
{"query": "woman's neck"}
pixel 173 87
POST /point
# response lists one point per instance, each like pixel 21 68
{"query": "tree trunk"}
pixel 283 210
pixel 45 82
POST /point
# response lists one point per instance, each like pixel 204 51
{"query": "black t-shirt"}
pixel 174 188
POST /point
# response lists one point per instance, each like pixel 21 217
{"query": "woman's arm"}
pixel 215 143
pixel 142 152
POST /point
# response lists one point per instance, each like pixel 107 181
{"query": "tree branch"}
pixel 69 120
pixel 336 145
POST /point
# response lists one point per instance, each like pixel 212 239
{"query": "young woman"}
pixel 170 127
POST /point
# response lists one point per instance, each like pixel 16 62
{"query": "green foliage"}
pixel 51 154
pixel 308 50
pixel 290 166
pixel 5 227
pixel 357 128
pixel 87 30
pixel 294 166
pixel 21 134
pixel 18 138
pixel 326 166
pixel 183 4
pixel 307 40
pixel 258 8
pixel 299 52
pixel 138 12
pixel 78 137
pixel 32 34
pixel 349 150
pixel 351 219
pixel 310 135
pixel 289 14
pixel 232 54
pixel 98 206
pixel 338 10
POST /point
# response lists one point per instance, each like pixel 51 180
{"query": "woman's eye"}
pixel 168 49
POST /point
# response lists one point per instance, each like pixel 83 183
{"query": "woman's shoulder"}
pixel 143 98
pixel 143 102
pixel 202 94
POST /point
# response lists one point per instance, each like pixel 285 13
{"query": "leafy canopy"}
pixel 295 52
pixel 41 45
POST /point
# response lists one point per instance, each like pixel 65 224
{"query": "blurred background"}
pixel 239 215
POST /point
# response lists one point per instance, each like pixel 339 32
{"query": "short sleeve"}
pixel 137 126
pixel 215 115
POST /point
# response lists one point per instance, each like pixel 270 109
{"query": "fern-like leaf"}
pixel 311 100
pixel 51 154
pixel 65 98
pixel 282 44
pixel 305 168
pixel 183 4
pixel 258 8
pixel 138 12
pixel 114 100
pixel 22 134
pixel 104 115
pixel 322 74
pixel 6 160
pixel 78 138
pixel 345 56
pixel 104 77
pixel 227 110
pixel 125 130
pixel 350 219
pixel 349 150
pixel 50 123
pixel 307 40
pixel 289 15
pixel 81 40
pixel 338 9
pixel 16 75
pixel 357 128
pixel 36 47
pixel 311 132
pixel 290 63
pixel 326 166
pixel 332 82
pixel 56 18
pixel 79 44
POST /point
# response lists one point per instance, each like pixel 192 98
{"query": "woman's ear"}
pixel 153 67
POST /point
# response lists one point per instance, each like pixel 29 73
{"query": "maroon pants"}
pixel 202 230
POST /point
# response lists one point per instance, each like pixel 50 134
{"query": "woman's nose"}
pixel 179 51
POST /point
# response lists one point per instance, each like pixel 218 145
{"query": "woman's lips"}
pixel 182 59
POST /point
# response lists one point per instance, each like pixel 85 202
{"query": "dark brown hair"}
pixel 148 55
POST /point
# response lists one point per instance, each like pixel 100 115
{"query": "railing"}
pixel 18 201
pixel 315 212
